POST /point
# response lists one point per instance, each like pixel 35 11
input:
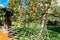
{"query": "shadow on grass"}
pixel 54 28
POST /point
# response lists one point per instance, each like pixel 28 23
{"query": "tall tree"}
pixel 45 6
pixel 34 10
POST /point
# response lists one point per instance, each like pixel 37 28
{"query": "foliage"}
pixel 27 17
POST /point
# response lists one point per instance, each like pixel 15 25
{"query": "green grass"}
pixel 28 33
pixel 54 32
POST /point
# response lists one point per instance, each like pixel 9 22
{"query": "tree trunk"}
pixel 42 26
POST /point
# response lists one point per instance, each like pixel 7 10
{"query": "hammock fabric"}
pixel 3 36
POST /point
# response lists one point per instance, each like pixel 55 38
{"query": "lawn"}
pixel 29 32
